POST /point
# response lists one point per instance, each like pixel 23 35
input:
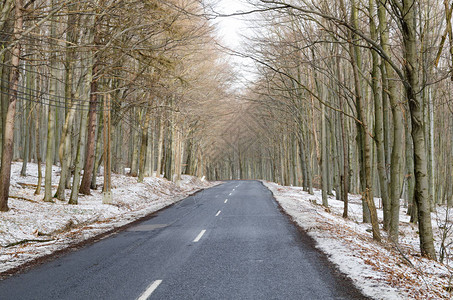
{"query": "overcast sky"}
pixel 232 30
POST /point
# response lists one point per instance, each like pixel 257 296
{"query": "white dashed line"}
pixel 153 286
pixel 218 213
pixel 226 200
pixel 199 236
pixel 229 194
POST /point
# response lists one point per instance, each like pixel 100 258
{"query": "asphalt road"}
pixel 227 242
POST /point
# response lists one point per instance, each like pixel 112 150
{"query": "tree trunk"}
pixel 53 94
pixel 178 154
pixel 91 140
pixel 143 146
pixel 431 161
pixel 5 97
pixel 308 161
pixel 65 151
pixel 107 189
pixel 379 117
pixel 150 150
pixel 324 159
pixel 344 141
pixel 391 209
pixel 160 147
pixel 78 163
pixel 79 160
pixel 8 139
pixel 27 123
pixel 412 87
pixel 38 147
pixel 135 148
pixel 50 148
pixel 365 139
pixel 98 153
pixel 412 206
pixel 362 139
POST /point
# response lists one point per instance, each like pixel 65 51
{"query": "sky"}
pixel 232 31
pixel 230 28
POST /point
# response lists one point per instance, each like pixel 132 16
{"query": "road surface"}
pixel 227 242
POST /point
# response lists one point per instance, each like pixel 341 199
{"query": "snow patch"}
pixel 380 270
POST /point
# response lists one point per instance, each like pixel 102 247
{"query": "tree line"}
pixel 149 70
pixel 352 96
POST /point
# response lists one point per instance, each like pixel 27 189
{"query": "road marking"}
pixel 226 200
pixel 199 236
pixel 153 286
pixel 229 194
pixel 218 213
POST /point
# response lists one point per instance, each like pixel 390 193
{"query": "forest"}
pixel 352 97
pixel 348 96
pixel 77 76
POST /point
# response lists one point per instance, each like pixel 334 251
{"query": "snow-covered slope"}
pixel 33 228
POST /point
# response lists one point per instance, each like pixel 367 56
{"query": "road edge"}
pixel 303 234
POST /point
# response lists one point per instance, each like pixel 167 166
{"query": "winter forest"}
pixel 348 97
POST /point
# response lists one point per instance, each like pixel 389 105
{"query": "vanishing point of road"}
pixel 227 242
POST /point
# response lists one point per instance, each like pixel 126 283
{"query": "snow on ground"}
pixel 33 228
pixel 381 271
